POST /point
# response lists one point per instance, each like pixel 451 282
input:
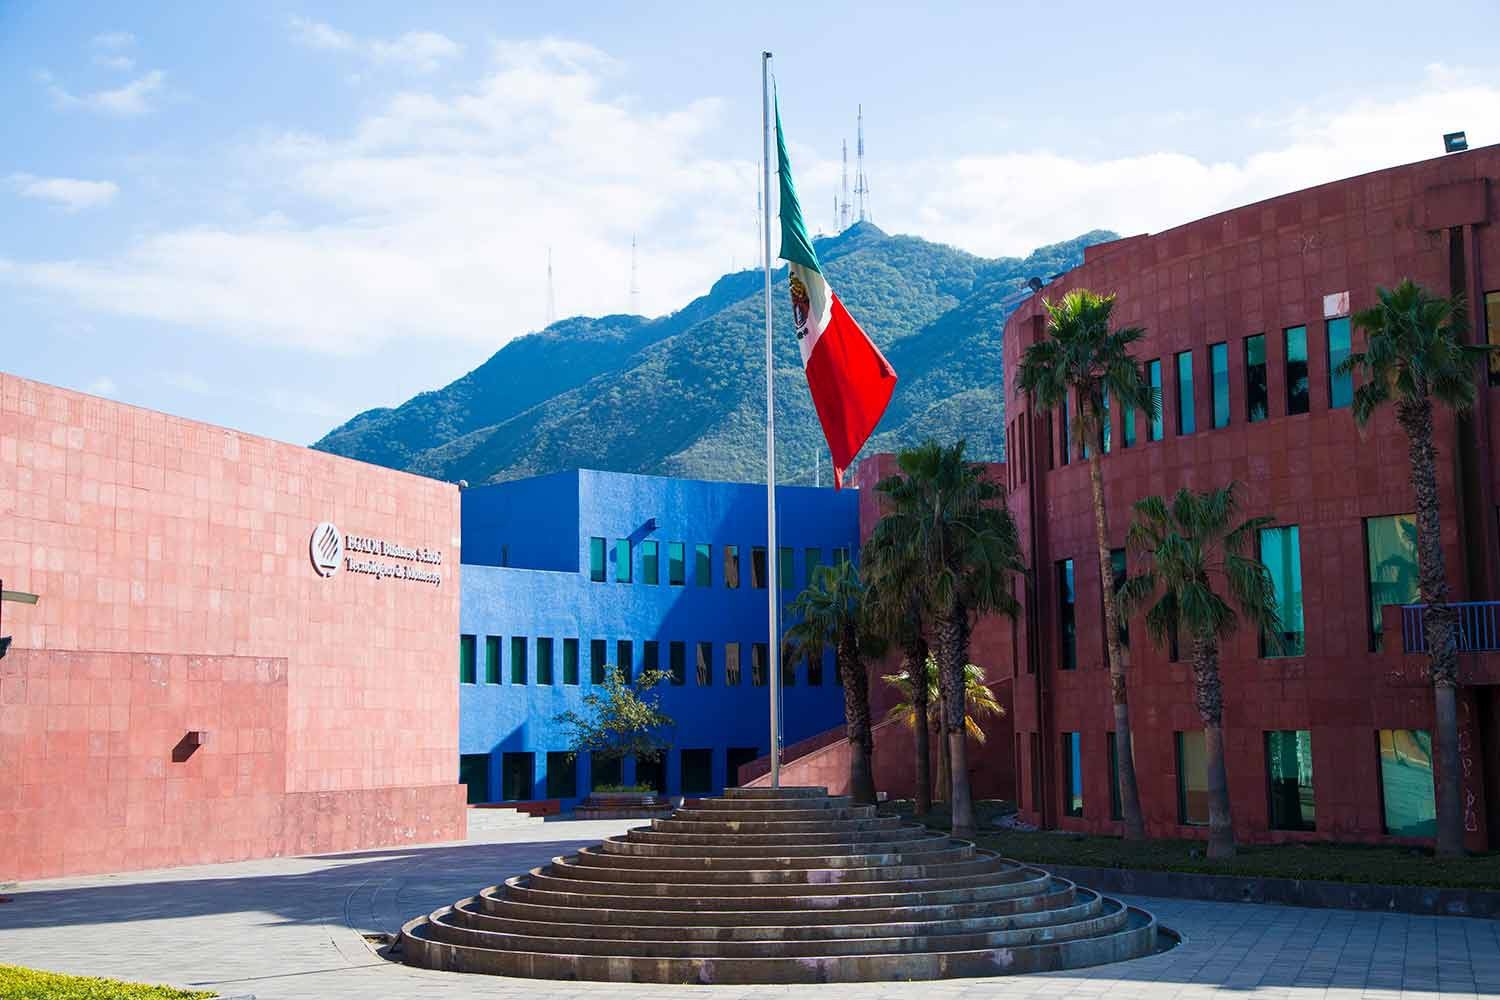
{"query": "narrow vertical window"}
pixel 598 660
pixel 492 659
pixel 703 565
pixel 543 660
pixel 811 560
pixel 1406 790
pixel 1127 428
pixel 625 660
pixel 1116 810
pixel 1153 376
pixel 466 667
pixel 815 671
pixel 1340 386
pixel 1072 774
pixel 1492 332
pixel 1118 576
pixel 623 561
pixel 760 657
pixel 676 564
pixel 1064 431
pixel 518 659
pixel 731 664
pixel 1192 779
pixel 596 560
pixel 1391 556
pixel 1257 399
pixel 1187 421
pixel 1067 635
pixel 788 672
pixel 840 556
pixel 1289 782
pixel 650 563
pixel 1296 370
pixel 1104 428
pixel 677 662
pixel 705 664
pixel 732 567
pixel 786 570
pixel 562 774
pixel 570 661
pixel 1218 363
pixel 650 656
pixel 1281 552
pixel 758 567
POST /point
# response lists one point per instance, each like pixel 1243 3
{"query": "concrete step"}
pixel 818 815
pixel 789 838
pixel 686 859
pixel 784 792
pixel 910 878
pixel 737 827
pixel 622 868
pixel 746 804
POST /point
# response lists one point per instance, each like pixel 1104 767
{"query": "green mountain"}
pixel 683 395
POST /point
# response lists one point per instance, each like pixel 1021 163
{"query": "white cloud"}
pixel 67 192
pixel 122 63
pixel 134 98
pixel 102 386
pixel 418 51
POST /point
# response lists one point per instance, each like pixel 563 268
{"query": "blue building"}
pixel 566 574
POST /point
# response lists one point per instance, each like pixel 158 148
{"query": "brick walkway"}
pixel 291 929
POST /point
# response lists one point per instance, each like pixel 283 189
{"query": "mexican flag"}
pixel 850 380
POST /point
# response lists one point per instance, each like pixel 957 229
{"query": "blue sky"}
pixel 275 215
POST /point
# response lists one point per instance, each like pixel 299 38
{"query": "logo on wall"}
pixel 326 549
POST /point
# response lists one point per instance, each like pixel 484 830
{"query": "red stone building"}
pixel 1246 314
pixel 206 676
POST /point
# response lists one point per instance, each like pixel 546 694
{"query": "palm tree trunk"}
pixel 1440 619
pixel 1209 693
pixel 856 718
pixel 1130 796
pixel 916 668
pixel 945 768
pixel 951 634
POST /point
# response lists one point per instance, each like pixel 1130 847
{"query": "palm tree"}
pixel 1189 545
pixel 893 607
pixel 1081 356
pixel 830 615
pixel 949 520
pixel 980 703
pixel 1413 357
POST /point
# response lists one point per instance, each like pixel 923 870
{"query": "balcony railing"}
pixel 1478 627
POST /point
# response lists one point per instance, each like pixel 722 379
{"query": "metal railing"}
pixel 1478 627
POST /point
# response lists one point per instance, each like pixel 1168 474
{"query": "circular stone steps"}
pixel 778 885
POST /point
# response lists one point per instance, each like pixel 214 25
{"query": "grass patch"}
pixel 1356 863
pixel 17 983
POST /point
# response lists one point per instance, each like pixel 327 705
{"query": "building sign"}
pixel 375 557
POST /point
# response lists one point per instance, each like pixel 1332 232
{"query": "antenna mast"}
pixel 861 183
pixel 551 295
pixel 844 203
pixel 635 281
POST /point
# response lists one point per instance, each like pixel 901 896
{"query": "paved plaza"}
pixel 294 929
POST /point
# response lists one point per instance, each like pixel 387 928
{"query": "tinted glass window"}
pixel 1406 789
pixel 518 659
pixel 1153 376
pixel 1391 554
pixel 596 560
pixel 732 566
pixel 570 661
pixel 1186 405
pixel 703 565
pixel 466 667
pixel 1218 362
pixel 1289 783
pixel 1072 774
pixel 1192 779
pixel 1256 397
pixel 1296 370
pixel 1281 552
pixel 1340 387
pixel 1067 632
pixel 650 565
pixel 543 660
pixel 622 561
pixel 676 564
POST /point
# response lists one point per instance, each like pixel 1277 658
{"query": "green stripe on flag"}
pixel 795 246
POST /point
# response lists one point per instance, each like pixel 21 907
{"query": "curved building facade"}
pixel 1247 316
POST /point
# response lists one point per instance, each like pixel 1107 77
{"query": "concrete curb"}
pixel 1416 899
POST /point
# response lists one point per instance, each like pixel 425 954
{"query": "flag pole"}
pixel 772 560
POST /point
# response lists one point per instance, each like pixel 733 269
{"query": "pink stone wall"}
pixel 168 552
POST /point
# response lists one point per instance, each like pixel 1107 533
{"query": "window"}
pixel 815 671
pixel 1391 556
pixel 1257 399
pixel 760 655
pixel 651 774
pixel 705 664
pixel 625 660
pixel 1036 771
pixel 1289 779
pixel 1406 793
pixel 1067 635
pixel 1116 810
pixel 786 570
pixel 703 565
pixel 1104 424
pixel 596 560
pixel 1340 387
pixel 562 775
pixel 650 563
pixel 1153 376
pixel 1492 332
pixel 623 562
pixel 840 556
pixel 518 659
pixel 517 772
pixel 598 660
pixel 788 672
pixel 603 771
pixel 1127 427
pixel 1072 775
pixel 732 567
pixel 1192 779
pixel 811 560
pixel 1218 365
pixel 758 567
pixel 677 662
pixel 1296 370
pixel 1280 550
pixel 492 659
pixel 1063 431
pixel 650 656
pixel 466 669
pixel 543 660
pixel 1186 418
pixel 1119 574
pixel 676 564
pixel 570 661
pixel 697 771
pixel 732 664
pixel 474 774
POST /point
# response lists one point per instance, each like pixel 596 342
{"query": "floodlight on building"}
pixel 1455 142
pixel 1034 283
pixel 19 597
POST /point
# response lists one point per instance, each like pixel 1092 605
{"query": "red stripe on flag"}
pixel 851 384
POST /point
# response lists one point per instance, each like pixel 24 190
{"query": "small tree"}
pixel 621 719
pixel 979 703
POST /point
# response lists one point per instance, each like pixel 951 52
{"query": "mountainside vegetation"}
pixel 683 394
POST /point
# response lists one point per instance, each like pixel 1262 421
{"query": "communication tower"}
pixel 861 182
